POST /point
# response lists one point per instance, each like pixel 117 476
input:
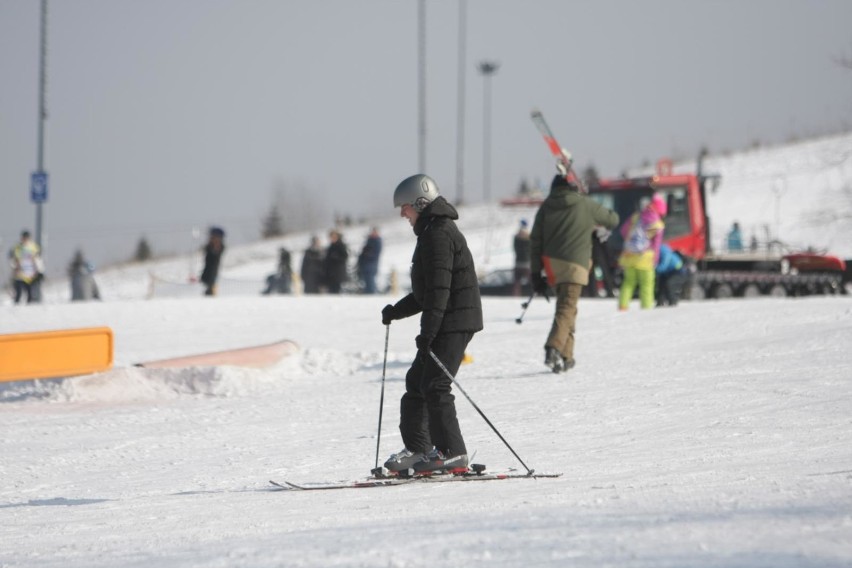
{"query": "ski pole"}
pixel 382 399
pixel 455 382
pixel 525 305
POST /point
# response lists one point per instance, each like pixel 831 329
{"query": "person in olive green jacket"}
pixel 561 247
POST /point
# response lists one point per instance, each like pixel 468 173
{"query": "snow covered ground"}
pixel 717 433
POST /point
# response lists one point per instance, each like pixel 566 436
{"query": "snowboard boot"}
pixel 567 364
pixel 436 462
pixel 404 460
pixel 553 359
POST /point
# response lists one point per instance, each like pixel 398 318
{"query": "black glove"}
pixel 388 315
pixel 423 343
pixel 539 283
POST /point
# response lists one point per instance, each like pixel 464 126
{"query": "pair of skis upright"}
pixel 564 160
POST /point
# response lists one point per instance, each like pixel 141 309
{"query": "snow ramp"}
pixel 259 356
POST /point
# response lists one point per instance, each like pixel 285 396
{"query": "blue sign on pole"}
pixel 38 187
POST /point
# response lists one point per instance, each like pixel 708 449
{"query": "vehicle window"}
pixel 627 202
pixel 677 218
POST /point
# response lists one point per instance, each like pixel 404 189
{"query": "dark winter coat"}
pixel 212 257
pixel 335 264
pixel 312 271
pixel 561 237
pixel 368 260
pixel 83 285
pixel 522 249
pixel 443 277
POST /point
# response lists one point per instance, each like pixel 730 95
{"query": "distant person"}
pixel 561 256
pixel 643 235
pixel 735 238
pixel 281 281
pixel 212 257
pixel 28 268
pixel 312 268
pixel 521 244
pixel 671 276
pixel 81 276
pixel 445 292
pixel 753 244
pixel 336 256
pixel 368 261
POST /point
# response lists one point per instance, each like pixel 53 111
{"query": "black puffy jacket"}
pixel 443 276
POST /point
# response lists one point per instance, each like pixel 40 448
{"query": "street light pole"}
pixel 421 80
pixel 487 68
pixel 42 113
pixel 461 95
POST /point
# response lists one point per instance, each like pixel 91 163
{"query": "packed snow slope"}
pixel 717 433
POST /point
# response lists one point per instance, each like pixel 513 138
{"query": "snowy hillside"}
pixel 799 194
pixel 489 230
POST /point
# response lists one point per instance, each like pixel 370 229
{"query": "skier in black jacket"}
pixel 445 291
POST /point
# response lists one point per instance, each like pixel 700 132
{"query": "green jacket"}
pixel 561 236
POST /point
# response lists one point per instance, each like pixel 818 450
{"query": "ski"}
pixel 386 482
pixel 564 159
pixel 288 485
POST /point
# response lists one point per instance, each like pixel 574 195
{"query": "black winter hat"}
pixel 560 181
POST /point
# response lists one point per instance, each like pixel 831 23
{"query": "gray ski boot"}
pixel 404 460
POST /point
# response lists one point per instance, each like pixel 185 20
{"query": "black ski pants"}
pixel 670 287
pixel 428 410
pixel 22 287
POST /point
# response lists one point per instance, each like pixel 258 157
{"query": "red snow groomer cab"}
pixel 767 271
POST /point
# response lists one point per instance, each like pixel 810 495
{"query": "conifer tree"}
pixel 273 224
pixel 143 251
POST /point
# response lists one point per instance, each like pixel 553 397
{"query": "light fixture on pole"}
pixel 487 68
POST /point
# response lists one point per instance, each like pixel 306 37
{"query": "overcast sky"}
pixel 166 115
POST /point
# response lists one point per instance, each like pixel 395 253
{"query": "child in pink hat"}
pixel 643 235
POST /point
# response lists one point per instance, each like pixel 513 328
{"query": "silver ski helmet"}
pixel 418 191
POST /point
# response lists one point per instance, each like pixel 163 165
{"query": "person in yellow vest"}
pixel 643 235
pixel 28 268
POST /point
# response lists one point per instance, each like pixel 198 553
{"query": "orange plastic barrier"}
pixel 59 353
